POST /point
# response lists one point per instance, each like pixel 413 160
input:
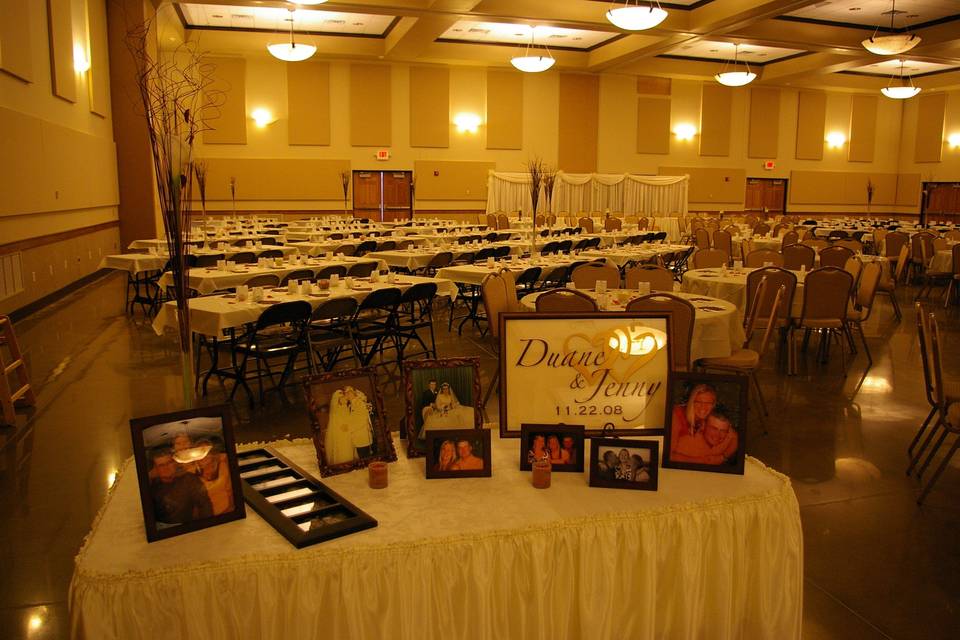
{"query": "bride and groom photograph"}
pixel 441 395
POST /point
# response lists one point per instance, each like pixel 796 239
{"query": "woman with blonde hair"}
pixel 447 456
pixel 690 418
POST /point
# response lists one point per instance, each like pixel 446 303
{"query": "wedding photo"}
pixel 617 463
pixel 188 472
pixel 440 394
pixel 347 419
pixel 707 421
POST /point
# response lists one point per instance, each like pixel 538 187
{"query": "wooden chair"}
pixel 789 238
pixel 682 317
pixel 660 278
pixel 835 256
pixel 565 301
pixel 796 256
pixel 586 276
pixel 709 258
pixel 761 257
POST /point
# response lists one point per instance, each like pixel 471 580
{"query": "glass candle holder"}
pixel 378 475
pixel 541 474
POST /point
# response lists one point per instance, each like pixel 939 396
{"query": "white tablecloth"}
pixel 211 315
pixel 140 262
pixel 475 273
pixel 942 261
pixel 717 331
pixel 707 556
pixel 207 280
pixel 731 286
pixel 639 253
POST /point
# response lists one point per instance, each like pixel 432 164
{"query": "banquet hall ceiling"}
pixel 790 42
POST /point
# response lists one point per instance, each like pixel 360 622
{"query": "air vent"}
pixel 11 275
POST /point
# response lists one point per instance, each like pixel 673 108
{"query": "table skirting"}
pixel 707 556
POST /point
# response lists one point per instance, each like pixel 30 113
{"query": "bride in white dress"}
pixel 349 427
pixel 446 412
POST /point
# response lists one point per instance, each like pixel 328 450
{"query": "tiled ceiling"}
pixel 872 13
pixel 725 50
pixel 277 19
pixel 910 67
pixel 505 33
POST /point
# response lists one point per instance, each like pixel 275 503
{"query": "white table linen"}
pixel 639 253
pixel 480 558
pixel 732 286
pixel 475 273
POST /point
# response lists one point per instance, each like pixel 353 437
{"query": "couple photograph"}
pixel 706 423
pixel 440 395
pixel 624 464
pixel 458 453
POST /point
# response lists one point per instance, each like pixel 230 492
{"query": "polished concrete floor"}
pixel 877 565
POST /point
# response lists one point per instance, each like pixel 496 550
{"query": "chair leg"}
pixel 933 453
pixel 896 305
pixel 866 347
pixel 923 447
pixel 923 427
pixel 936 475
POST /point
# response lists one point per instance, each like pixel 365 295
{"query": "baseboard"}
pixel 40 303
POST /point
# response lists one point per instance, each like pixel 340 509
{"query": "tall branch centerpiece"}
pixel 536 168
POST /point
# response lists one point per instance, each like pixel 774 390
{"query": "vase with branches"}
pixel 200 176
pixel 535 167
pixel 870 189
pixel 176 94
pixel 233 194
pixel 345 185
pixel 549 179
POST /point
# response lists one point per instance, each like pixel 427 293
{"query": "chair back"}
pixel 263 280
pixel 867 289
pixel 298 311
pixel 776 306
pixel 760 257
pixel 789 238
pixel 921 245
pixel 761 229
pixel 365 247
pixel 796 256
pixel 346 249
pixel 503 222
pixel 936 364
pixel 586 224
pixel 854 245
pixel 385 299
pixel 702 238
pixel 902 260
pixel 387 245
pixel 244 257
pixel 551 219
pixel 271 253
pixel 528 277
pixel 326 272
pixel 923 333
pixel 660 279
pixel 333 309
pixel 565 301
pixel 707 258
pixel 499 296
pixel 207 260
pixel 724 241
pixel 753 310
pixel 682 315
pixel 835 256
pixel 539 220
pixel 955 257
pixel 642 223
pixel 491 221
pixel 776 278
pixel 612 224
pixel 362 269
pixel 421 292
pixel 564 246
pixel 854 266
pixel 586 275
pixel 296 276
pixel 826 294
pixel 894 241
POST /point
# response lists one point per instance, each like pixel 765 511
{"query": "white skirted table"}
pixel 708 555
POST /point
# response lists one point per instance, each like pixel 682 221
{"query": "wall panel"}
pixel 908 190
pixel 811 118
pixel 579 122
pixel 370 102
pixel 231 125
pixel 719 186
pixel 842 188
pixel 653 125
pixel 308 103
pixel 430 107
pixel 98 76
pixel 450 180
pixel 16 54
pixel 764 136
pixel 60 32
pixel 863 128
pixel 504 109
pixel 715 111
pixel 929 140
pixel 274 179
pixel 653 86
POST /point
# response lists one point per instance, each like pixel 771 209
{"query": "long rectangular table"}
pixel 707 556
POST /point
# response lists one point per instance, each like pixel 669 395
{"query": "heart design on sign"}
pixel 608 342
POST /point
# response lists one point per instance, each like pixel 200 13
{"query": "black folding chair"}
pixel 374 323
pixel 414 314
pixel 329 334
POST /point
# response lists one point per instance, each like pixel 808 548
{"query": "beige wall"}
pixel 58 163
pixel 948 168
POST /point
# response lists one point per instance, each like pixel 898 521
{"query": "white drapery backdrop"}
pixel 591 192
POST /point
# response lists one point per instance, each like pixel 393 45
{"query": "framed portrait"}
pixel 187 470
pixel 624 463
pixel 346 415
pixel 458 453
pixel 561 444
pixel 440 394
pixel 608 371
pixel 707 415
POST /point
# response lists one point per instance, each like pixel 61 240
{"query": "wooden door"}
pixel 754 198
pixel 396 194
pixel 942 201
pixel 367 194
pixel 765 194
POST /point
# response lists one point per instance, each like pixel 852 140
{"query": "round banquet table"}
pixel 717 329
pixel 731 286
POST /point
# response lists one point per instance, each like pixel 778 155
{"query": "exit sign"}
pixel 769 165
pixel 383 154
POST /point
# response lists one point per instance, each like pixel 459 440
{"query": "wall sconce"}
pixel 835 139
pixel 953 140
pixel 684 131
pixel 467 122
pixel 261 117
pixel 81 63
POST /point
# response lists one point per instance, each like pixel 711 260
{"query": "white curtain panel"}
pixel 591 192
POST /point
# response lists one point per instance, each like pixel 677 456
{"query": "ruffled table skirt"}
pixel 707 556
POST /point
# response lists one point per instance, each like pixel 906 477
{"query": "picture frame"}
pixel 187 471
pixel 301 508
pixel 563 434
pixel 439 444
pixel 718 441
pixel 607 370
pixel 624 463
pixel 347 421
pixel 440 394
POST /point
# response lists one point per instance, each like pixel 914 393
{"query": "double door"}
pixel 941 201
pixel 383 195
pixel 766 194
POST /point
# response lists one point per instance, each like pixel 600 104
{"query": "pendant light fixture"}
pixel 730 77
pixel 900 88
pixel 634 16
pixel 892 44
pixel 291 51
pixel 529 62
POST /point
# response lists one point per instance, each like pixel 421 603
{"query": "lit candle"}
pixel 378 475
pixel 541 474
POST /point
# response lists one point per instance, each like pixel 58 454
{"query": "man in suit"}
pixel 427 398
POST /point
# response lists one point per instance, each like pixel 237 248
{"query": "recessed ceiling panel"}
pixel 506 33
pixel 278 19
pixel 872 13
pixel 910 68
pixel 725 51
